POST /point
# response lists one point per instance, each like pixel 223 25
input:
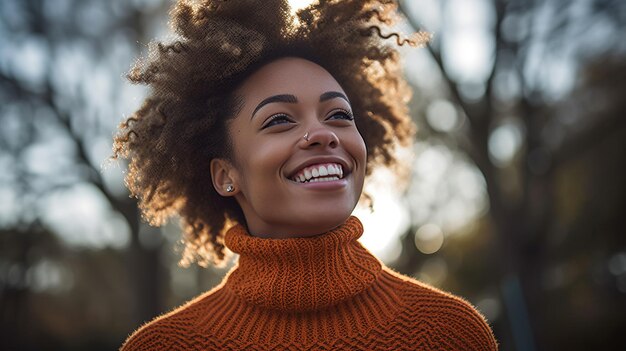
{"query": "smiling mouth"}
pixel 325 172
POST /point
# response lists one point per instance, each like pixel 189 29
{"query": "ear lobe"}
pixel 223 177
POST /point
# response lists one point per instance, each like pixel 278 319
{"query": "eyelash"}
pixel 283 117
pixel 280 116
pixel 347 114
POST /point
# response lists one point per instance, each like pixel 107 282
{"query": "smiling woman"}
pixel 304 133
pixel 259 132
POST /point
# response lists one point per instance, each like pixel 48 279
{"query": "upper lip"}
pixel 319 160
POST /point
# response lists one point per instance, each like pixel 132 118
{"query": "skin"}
pixel 269 147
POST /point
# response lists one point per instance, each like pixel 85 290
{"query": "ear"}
pixel 223 175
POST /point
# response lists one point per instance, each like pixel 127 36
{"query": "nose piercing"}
pixel 306 136
pixel 230 188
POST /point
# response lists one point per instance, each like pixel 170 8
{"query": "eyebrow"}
pixel 292 99
pixel 333 94
pixel 288 98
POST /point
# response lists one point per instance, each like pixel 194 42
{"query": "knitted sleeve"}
pixel 147 339
pixel 443 321
pixel 162 333
pixel 464 328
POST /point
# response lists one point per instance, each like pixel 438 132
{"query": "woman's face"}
pixel 299 160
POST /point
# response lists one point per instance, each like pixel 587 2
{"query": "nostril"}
pixel 334 140
pixel 320 137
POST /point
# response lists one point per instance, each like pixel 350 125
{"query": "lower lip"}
pixel 327 185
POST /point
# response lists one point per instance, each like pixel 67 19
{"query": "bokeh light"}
pixel 429 238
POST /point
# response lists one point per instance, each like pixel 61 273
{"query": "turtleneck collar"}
pixel 301 274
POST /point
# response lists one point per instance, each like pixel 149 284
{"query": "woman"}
pixel 259 132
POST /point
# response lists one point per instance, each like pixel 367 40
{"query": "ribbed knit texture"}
pixel 321 293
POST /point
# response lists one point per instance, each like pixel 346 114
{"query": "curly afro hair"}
pixel 182 124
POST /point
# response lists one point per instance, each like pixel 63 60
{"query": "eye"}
pixel 276 120
pixel 341 115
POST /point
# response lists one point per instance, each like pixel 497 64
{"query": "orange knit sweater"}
pixel 321 293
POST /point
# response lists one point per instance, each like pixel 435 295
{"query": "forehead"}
pixel 289 75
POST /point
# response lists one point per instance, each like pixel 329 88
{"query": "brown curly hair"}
pixel 182 125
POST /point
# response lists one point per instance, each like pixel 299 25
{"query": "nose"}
pixel 319 136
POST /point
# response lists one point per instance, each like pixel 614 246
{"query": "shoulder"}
pixel 179 329
pixel 446 320
pixel 151 336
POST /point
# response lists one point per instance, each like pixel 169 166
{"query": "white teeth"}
pixel 320 173
pixel 323 171
pixel 324 179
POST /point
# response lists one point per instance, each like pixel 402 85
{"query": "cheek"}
pixel 266 157
pixel 355 146
pixel 363 149
pixel 261 167
pixel 358 150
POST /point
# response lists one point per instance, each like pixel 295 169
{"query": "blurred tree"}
pixel 538 88
pixel 58 107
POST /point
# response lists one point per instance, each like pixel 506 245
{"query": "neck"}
pixel 298 229
pixel 299 274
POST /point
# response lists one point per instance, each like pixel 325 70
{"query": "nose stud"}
pixel 306 136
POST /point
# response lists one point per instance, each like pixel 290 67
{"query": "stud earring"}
pixel 230 188
pixel 306 136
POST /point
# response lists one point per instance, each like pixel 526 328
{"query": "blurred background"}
pixel 517 197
